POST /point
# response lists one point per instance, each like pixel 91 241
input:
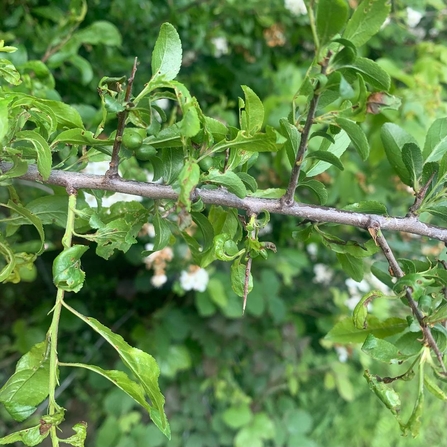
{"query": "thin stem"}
pixel 313 27
pixel 53 382
pixel 288 197
pixel 53 331
pixel 122 117
pixel 380 240
pixel 247 281
pixel 420 196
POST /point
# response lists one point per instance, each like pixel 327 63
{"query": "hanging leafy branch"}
pixel 205 165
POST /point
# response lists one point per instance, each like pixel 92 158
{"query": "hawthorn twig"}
pixel 420 196
pixel 288 197
pixel 247 281
pixel 221 197
pixel 380 240
pixel 122 116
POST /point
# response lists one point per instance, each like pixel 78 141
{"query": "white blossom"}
pixel 164 255
pixel 265 230
pixel 413 17
pixel 312 249
pixel 323 274
pixel 100 168
pixel 194 279
pixel 386 22
pixel 358 289
pixel 342 353
pixel 296 7
pixel 163 103
pixel 149 246
pixel 150 230
pixel 158 280
pixel 220 46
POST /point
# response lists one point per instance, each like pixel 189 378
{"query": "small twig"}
pixel 288 197
pixel 374 230
pixel 247 281
pixel 52 50
pixel 420 196
pixel 122 116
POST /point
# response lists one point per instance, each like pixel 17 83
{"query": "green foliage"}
pixel 321 108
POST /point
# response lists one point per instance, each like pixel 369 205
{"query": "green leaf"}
pixel 217 293
pixel 360 313
pixel 366 21
pixel 167 54
pixel 168 137
pixel 77 440
pixel 226 249
pixel 125 222
pixel 162 232
pixel 29 436
pixel 436 141
pixel 345 331
pixel 190 124
pixel 4 124
pixel 338 148
pixel 99 32
pixel 293 139
pixel 323 134
pixel 67 273
pixel 351 265
pixel 228 179
pixel 206 228
pixel 19 167
pixel 371 72
pixel 414 422
pixel 356 134
pixel 327 157
pixel 253 113
pixel 7 253
pixel 248 180
pixel 412 158
pixel 29 217
pixel 317 187
pixel 28 386
pixel 142 365
pixel 439 211
pixel 410 343
pixel 50 209
pixel 173 162
pixel 42 149
pixel 346 91
pixel 237 416
pixel 9 73
pixel 79 136
pixel 434 388
pixel 367 207
pixel 382 350
pixel 67 116
pixel 259 142
pixel 188 178
pixel 121 380
pixel 331 18
pixel 394 138
pixel 269 193
pixel 385 393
